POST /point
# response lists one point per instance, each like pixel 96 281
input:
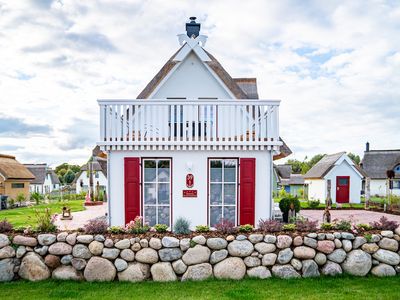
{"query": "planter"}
pixel 93 203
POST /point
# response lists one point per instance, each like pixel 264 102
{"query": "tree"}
pixel 69 177
pixel 296 165
pixel 302 167
pixel 63 169
pixel 354 158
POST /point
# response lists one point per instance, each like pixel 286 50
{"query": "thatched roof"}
pixel 283 171
pixel 321 168
pixel 39 171
pixel 375 163
pixel 249 86
pixel 10 168
pixel 54 177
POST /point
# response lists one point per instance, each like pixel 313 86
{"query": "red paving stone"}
pixel 358 215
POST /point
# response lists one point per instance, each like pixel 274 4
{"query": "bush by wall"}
pixel 123 257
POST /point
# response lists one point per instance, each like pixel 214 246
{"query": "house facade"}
pixel 15 178
pixel 376 164
pixel 293 184
pixel 196 143
pixel 82 179
pixel 343 175
pixel 46 180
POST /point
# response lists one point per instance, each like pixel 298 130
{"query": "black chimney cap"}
pixel 192 28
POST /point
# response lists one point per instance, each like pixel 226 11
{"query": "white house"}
pixel 376 164
pixel 196 143
pixel 82 179
pixel 344 175
pixel 46 180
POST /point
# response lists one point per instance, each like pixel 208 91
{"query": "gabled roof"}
pixel 284 171
pixel 376 162
pixel 296 179
pixel 241 88
pixel 249 86
pixel 54 177
pixel 321 168
pixel 39 171
pixel 10 168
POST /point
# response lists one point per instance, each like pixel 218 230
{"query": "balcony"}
pixel 166 124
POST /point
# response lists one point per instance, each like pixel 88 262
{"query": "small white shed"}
pixel 345 177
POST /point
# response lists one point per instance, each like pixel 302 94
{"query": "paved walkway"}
pixel 359 216
pixel 80 218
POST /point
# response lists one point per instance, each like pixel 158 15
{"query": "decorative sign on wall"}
pixel 189 180
pixel 190 193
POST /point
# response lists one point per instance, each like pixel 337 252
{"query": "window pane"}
pixel 230 174
pixel 343 181
pixel 149 193
pixel 215 215
pixel 216 170
pixel 149 170
pixel 215 193
pixel 163 193
pixel 150 215
pixel 163 171
pixel 229 194
pixel 229 213
pixel 163 215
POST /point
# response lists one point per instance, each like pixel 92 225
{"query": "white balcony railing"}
pixel 132 124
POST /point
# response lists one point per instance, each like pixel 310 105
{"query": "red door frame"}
pixel 342 191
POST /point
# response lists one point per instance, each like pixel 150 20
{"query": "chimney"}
pixel 192 28
pixel 367 147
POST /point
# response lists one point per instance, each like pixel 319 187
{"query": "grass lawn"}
pixel 24 216
pixel 252 289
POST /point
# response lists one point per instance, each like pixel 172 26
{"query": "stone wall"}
pixel 98 258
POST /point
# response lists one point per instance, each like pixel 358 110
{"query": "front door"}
pixel 342 189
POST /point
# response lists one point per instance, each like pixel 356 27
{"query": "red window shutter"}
pixel 247 191
pixel 132 188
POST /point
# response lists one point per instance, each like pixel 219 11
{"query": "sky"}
pixel 334 64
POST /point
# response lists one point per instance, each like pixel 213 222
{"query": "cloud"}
pixel 335 65
pixel 10 126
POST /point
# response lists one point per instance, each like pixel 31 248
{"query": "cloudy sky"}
pixel 334 64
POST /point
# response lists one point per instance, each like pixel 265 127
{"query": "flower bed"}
pixel 163 257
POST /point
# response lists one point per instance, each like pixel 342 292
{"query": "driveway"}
pixel 358 215
pixel 80 218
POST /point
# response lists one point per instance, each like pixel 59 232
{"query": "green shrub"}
pixel 246 228
pixel 363 227
pixel 283 194
pixel 284 204
pixel 116 229
pixel 36 197
pixel 202 228
pixel 368 237
pixel 313 203
pixel 344 225
pixel 289 227
pixel 326 226
pixel 182 226
pixel 101 196
pixel 161 227
pixel 45 220
pixel 20 198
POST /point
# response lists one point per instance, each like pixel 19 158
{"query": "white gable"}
pixel 191 78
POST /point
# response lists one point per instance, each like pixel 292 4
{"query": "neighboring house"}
pixel 99 169
pixel 344 175
pixel 196 143
pixel 45 180
pixel 292 183
pixel 376 163
pixel 15 178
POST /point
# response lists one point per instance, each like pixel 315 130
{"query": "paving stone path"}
pixel 80 218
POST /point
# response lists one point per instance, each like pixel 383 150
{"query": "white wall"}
pixel 84 177
pixel 378 187
pixel 195 209
pixel 36 188
pixel 345 169
pixel 316 189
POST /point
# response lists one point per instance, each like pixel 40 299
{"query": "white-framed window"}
pixel 157 191
pixel 223 190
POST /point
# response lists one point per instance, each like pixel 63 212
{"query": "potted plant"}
pixel 285 204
